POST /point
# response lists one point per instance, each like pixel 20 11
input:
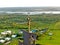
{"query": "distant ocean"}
pixel 31 10
pixel 36 12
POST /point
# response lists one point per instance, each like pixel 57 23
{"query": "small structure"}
pixel 50 35
pixel 34 31
pixel 29 38
pixel 14 36
pixel 2 41
pixel 3 33
pixel 9 32
pixel 6 32
pixel 7 38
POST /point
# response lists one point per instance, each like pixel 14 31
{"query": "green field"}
pixel 16 22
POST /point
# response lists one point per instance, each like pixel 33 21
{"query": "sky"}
pixel 29 3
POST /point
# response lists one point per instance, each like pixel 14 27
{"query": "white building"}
pixel 2 41
pixel 7 38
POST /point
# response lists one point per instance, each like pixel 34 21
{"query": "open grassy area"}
pixel 54 41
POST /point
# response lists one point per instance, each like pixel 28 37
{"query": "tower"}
pixel 29 38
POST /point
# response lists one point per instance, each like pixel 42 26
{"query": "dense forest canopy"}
pixel 20 21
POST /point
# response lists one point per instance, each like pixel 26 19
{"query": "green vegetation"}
pixel 14 42
pixel 15 22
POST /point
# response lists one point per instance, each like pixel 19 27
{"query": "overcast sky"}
pixel 29 3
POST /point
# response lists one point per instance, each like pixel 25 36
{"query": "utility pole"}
pixel 28 23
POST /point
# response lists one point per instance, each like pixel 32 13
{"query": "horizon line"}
pixel 32 6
